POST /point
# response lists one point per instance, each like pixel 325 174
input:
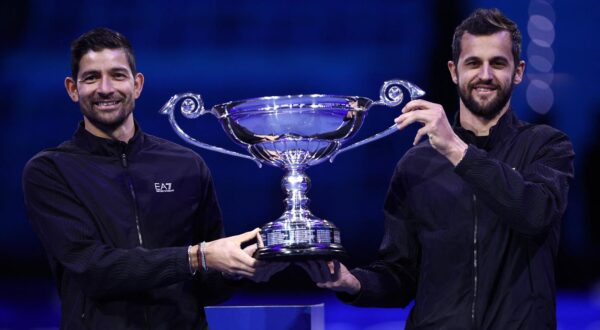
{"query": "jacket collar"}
pixel 107 147
pixel 506 127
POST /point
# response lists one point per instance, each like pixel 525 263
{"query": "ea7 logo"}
pixel 163 187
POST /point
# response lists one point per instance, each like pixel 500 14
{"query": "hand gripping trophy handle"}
pixel 390 95
pixel 192 107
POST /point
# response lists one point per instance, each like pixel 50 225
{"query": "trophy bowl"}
pixel 293 132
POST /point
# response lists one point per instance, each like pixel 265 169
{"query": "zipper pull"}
pixel 124 160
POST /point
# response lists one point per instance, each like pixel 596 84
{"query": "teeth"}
pixel 484 90
pixel 107 103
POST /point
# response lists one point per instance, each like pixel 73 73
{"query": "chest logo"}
pixel 163 187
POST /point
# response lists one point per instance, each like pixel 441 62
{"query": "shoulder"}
pixel 539 129
pixel 418 161
pixel 47 157
pixel 172 151
pixel 416 155
pixel 43 165
pixel 544 135
pixel 154 142
pixel 536 130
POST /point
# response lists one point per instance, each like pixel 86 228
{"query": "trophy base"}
pixel 301 253
pixel 305 239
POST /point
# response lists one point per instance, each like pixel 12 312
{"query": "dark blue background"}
pixel 228 50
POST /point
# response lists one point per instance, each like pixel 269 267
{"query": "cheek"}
pixel 130 89
pixel 465 78
pixel 82 94
pixel 508 80
pixel 463 83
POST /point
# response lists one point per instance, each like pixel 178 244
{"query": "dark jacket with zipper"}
pixel 474 245
pixel 116 220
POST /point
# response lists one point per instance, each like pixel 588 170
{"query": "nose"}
pixel 485 72
pixel 106 86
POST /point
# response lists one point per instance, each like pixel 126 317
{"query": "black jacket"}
pixel 475 245
pixel 116 220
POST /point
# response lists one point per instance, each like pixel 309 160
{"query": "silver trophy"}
pixel 293 132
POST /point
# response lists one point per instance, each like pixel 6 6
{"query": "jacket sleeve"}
pixel 391 281
pixel 68 233
pixel 530 199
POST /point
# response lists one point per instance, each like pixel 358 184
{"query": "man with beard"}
pixel 130 222
pixel 472 215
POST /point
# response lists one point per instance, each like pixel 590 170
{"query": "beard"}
pixel 107 121
pixel 488 109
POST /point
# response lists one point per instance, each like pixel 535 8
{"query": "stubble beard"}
pixel 490 109
pixel 107 121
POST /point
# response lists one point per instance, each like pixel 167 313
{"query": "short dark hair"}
pixel 97 40
pixel 484 22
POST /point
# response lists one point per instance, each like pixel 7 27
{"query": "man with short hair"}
pixel 130 222
pixel 473 212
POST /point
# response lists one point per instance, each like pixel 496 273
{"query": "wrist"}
pixel 353 286
pixel 457 152
pixel 193 258
pixel 201 256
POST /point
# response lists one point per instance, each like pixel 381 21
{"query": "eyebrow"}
pixel 493 59
pixel 119 69
pixel 116 69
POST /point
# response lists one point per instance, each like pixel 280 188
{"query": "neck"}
pixel 476 124
pixel 123 132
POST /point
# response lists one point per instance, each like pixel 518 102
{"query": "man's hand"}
pixel 331 275
pixel 264 269
pixel 226 255
pixel 435 125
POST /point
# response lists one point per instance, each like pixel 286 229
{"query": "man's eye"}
pixel 89 79
pixel 120 76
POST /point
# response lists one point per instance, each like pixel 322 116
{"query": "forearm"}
pixel 379 288
pixel 391 281
pixel 100 269
pixel 107 271
pixel 456 151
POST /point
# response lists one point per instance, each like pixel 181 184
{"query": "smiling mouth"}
pixel 483 89
pixel 106 104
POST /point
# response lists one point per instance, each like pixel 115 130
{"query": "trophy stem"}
pixel 296 183
pixel 298 234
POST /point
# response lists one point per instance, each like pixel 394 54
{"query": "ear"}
pixel 138 84
pixel 453 73
pixel 71 87
pixel 519 71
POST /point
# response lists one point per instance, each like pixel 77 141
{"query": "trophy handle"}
pixel 192 107
pixel 390 95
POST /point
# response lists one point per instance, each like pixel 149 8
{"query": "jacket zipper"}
pixel 132 191
pixel 137 218
pixel 475 250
